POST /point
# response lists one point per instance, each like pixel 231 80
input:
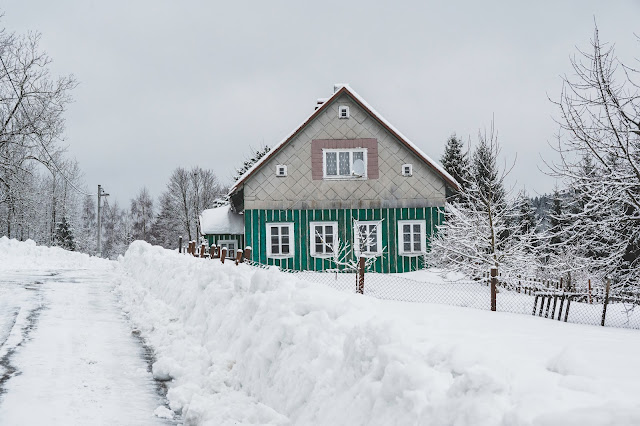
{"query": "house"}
pixel 344 178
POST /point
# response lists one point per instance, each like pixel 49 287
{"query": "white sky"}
pixel 166 83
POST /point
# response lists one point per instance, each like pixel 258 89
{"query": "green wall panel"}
pixel 388 262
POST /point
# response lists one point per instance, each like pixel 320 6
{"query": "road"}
pixel 68 355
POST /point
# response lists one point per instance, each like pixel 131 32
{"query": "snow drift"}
pixel 239 345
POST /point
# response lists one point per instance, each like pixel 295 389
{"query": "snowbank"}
pixel 26 255
pixel 239 345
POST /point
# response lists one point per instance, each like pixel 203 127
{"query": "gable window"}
pixel 345 163
pixel 280 240
pixel 411 237
pixel 323 236
pixel 343 111
pixel 367 240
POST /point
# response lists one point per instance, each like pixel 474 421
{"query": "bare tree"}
pixel 600 125
pixel 142 215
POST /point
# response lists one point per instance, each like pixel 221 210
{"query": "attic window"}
pixel 281 170
pixel 407 170
pixel 343 111
pixel 345 163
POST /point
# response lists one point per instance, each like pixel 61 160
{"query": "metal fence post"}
pixel 361 264
pixel 180 244
pixel 606 301
pixel 494 284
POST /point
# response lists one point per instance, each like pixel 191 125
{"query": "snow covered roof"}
pixel 221 220
pixel 340 89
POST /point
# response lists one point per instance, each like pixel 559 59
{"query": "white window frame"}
pixel 356 237
pixel 343 108
pixel 312 238
pixel 227 242
pixel 423 237
pixel 410 167
pixel 338 151
pixel 282 167
pixel 281 225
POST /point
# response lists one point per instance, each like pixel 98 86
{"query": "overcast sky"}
pixel 181 83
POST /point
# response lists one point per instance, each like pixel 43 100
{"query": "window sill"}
pixel 344 178
pixel 322 256
pixel 410 254
pixel 279 256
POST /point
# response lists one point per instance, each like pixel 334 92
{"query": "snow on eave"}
pixel 339 90
pixel 221 220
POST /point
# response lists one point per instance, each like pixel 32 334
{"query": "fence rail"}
pixel 548 298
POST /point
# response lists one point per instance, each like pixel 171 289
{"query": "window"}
pixel 345 163
pixel 343 111
pixel 367 239
pixel 279 240
pixel 281 170
pixel 411 237
pixel 323 236
pixel 230 245
pixel 407 170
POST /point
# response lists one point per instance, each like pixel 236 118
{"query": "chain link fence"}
pixel 551 299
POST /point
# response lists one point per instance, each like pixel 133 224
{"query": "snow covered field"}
pixel 240 345
pixel 251 346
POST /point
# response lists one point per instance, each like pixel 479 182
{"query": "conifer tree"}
pixel 64 235
pixel 456 162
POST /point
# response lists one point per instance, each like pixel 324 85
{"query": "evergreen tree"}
pixel 64 235
pixel 456 162
pixel 249 162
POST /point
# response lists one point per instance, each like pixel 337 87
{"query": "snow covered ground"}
pixel 67 356
pixel 249 346
pixel 241 345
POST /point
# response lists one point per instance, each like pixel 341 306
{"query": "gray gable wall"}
pixel 298 190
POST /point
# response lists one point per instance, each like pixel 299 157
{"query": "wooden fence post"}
pixel 361 264
pixel 494 284
pixel 606 301
pixel 202 250
pixel 590 299
pixel 223 254
pixel 238 256
pixel 180 244
pixel 247 252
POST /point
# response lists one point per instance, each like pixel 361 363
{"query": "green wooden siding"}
pixel 214 238
pixel 389 262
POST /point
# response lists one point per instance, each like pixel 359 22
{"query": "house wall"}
pixel 389 262
pixel 214 238
pixel 299 190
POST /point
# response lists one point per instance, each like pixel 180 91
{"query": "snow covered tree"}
pixel 456 162
pixel 480 231
pixel 64 235
pixel 600 122
pixel 188 193
pixel 32 104
pixel 250 161
pixel 142 215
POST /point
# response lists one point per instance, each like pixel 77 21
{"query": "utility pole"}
pixel 101 194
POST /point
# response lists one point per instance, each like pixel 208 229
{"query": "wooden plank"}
pixel 393 250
